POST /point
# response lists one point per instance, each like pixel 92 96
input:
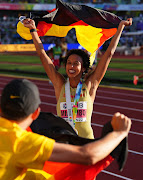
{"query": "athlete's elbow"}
pixel 41 54
pixel 111 52
pixel 90 158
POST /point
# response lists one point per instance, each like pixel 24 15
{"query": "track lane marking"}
pixel 95 103
pixel 104 171
pixel 94 124
pixel 102 86
pixel 101 113
pixel 116 175
pixel 110 115
pixel 95 112
pixel 121 88
pixel 121 107
pixel 118 93
pixel 117 99
pixel 131 132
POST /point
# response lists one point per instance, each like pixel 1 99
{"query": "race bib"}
pixel 81 111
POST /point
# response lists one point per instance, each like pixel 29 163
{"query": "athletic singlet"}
pixel 85 108
pixel 57 52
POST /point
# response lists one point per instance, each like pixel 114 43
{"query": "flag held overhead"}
pixel 93 26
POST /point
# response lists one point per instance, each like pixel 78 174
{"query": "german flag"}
pixel 55 127
pixel 68 171
pixel 93 26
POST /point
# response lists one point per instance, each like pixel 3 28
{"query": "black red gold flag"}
pixel 57 128
pixel 93 26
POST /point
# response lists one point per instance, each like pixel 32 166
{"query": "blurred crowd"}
pixel 76 1
pixel 8 34
pixel 134 39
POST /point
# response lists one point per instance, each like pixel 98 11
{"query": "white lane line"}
pixel 99 90
pixel 108 92
pixel 97 112
pixel 46 95
pixel 118 93
pixel 140 102
pixel 133 109
pixel 114 106
pixel 94 124
pixel 100 104
pixel 48 104
pixel 94 112
pixel 98 125
pixel 135 152
pixel 131 132
pixel 110 115
pixel 136 133
pixel 117 99
pixel 116 175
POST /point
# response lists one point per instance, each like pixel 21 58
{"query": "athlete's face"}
pixel 74 66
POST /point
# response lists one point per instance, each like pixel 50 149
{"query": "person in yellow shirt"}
pixel 75 97
pixel 21 151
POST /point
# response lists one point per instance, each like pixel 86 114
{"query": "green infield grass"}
pixel 127 60
pixel 120 65
pixel 19 58
pixel 33 64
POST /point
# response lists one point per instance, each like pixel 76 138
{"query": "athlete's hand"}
pixel 29 23
pixel 121 123
pixel 127 22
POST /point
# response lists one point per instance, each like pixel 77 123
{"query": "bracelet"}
pixel 33 30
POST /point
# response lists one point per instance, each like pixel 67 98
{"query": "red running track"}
pixel 108 101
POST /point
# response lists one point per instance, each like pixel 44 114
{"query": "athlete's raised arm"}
pixel 56 78
pixel 96 76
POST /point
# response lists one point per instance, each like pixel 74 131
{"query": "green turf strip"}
pixel 109 74
pixel 19 59
pixel 22 67
pixel 120 75
pixel 127 60
pixel 126 66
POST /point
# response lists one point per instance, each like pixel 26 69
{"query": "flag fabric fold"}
pixel 57 128
pixel 93 26
pixel 69 171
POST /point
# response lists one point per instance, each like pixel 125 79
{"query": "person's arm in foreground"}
pixel 99 72
pixel 93 152
pixel 56 78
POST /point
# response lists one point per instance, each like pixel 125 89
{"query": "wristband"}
pixel 33 30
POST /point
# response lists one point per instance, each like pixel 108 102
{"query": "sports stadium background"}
pixel 131 41
pixel 109 99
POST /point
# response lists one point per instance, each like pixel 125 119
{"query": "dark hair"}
pixel 82 54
